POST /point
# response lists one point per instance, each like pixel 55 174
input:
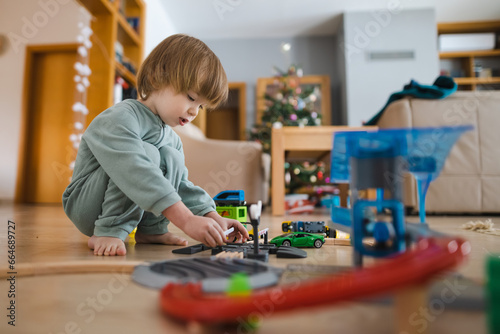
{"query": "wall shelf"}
pixel 126 74
pixel 126 33
pixel 464 54
pixel 467 66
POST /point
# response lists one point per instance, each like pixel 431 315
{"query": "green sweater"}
pixel 114 141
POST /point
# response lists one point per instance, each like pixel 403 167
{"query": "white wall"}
pixel 26 22
pixel 369 83
pixel 158 25
pixel 248 59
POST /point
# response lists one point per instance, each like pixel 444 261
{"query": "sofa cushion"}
pixel 464 157
pixel 455 193
pixel 490 186
pixel 190 130
pixel 489 135
pixel 470 179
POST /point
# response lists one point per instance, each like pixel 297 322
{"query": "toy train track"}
pixel 430 256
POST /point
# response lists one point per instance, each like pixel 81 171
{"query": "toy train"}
pixel 231 204
pixel 230 198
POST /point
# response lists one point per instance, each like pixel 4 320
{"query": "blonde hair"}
pixel 186 64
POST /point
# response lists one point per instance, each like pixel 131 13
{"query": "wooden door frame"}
pixel 241 87
pixel 31 51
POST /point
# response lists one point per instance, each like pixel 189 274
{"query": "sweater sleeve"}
pixel 194 197
pixel 115 141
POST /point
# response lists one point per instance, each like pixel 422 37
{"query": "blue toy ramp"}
pixel 423 150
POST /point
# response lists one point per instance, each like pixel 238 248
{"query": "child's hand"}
pixel 205 230
pixel 240 233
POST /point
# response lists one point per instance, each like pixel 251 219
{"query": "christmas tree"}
pixel 305 176
pixel 288 105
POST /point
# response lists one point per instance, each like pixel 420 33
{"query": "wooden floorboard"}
pixel 51 302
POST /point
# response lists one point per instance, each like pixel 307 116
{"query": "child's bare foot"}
pixel 108 246
pixel 166 239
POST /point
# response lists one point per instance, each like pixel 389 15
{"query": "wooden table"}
pixel 292 138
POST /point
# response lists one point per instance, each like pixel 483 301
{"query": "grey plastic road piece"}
pixel 191 249
pixel 212 272
pixel 459 293
pixel 419 230
pixel 285 252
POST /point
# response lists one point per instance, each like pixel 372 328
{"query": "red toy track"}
pixel 430 256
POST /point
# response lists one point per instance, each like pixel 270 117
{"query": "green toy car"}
pixel 299 239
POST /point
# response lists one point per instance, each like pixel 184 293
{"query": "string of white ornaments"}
pixel 82 83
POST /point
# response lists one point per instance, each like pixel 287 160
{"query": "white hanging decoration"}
pixel 82 51
pixel 80 107
pixel 79 68
pixel 82 82
pixel 86 32
pixel 87 43
pixel 79 125
pixel 86 70
pixel 85 82
pixel 82 69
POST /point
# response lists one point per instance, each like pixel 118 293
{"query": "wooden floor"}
pixel 48 301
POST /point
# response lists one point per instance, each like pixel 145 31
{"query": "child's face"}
pixel 175 108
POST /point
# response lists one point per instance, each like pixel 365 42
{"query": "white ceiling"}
pixel 214 19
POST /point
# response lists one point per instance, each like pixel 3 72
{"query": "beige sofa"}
pixel 217 165
pixel 470 179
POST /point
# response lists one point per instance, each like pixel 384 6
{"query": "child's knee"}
pixel 152 152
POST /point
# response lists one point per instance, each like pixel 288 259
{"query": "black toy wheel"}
pixel 318 243
pixel 286 243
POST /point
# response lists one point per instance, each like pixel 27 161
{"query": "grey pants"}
pixel 98 207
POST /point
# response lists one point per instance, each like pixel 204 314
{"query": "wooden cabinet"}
pixel 118 25
pixel 228 121
pixel 472 70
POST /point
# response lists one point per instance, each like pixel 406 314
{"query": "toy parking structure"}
pixel 378 160
pixel 368 160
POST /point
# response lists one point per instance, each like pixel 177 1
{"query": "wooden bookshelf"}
pixel 109 24
pixel 466 61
